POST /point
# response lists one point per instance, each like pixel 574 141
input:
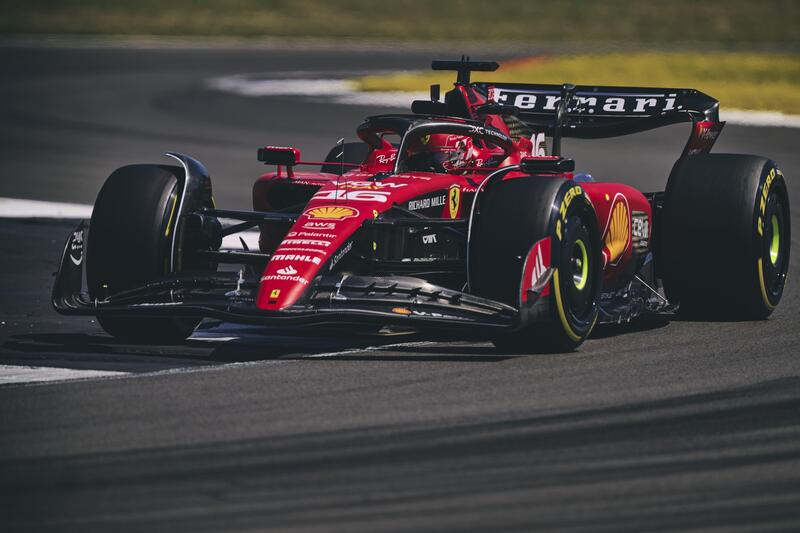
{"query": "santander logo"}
pixel 287 271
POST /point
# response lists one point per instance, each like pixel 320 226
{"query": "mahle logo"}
pixel 332 213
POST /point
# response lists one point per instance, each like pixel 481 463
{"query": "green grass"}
pixel 738 80
pixel 717 23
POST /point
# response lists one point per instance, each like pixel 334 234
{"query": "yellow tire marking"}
pixel 171 214
pixel 763 286
pixel 560 306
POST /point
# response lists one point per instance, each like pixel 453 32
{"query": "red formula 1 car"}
pixel 454 216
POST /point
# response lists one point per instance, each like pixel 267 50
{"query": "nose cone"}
pixel 316 236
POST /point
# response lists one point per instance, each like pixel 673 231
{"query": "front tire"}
pixel 130 234
pixel 514 215
pixel 726 236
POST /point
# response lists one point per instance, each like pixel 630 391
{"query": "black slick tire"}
pixel 725 236
pixel 129 239
pixel 514 215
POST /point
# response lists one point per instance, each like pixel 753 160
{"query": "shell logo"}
pixel 331 213
pixel 618 233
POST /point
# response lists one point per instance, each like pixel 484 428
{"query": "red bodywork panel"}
pixel 617 207
pixel 334 213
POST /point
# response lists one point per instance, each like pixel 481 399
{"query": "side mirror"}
pixel 279 155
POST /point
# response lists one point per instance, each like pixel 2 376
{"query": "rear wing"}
pixel 596 112
pixel 583 111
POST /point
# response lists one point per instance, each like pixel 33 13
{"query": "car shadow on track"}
pixel 213 345
pixel 100 352
pixel 640 324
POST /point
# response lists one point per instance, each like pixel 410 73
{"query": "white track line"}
pixel 760 118
pixel 34 374
pixel 19 208
pixel 37 376
pixel 341 91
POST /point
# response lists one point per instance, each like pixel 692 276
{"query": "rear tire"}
pixel 128 245
pixel 514 215
pixel 725 236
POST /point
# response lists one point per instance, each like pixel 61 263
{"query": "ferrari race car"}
pixel 455 216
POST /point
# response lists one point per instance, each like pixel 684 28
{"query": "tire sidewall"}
pixel 772 186
pixel 712 249
pixel 518 213
pixel 572 202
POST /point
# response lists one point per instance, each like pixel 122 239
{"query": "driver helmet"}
pixel 439 152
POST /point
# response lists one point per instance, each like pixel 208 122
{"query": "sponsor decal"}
pixel 491 132
pixel 617 231
pixel 588 103
pixel 707 134
pixel 762 204
pixel 562 210
pixel 284 249
pixel 704 133
pixel 319 225
pixel 536 272
pixel 353 195
pixel 425 203
pixel 383 159
pixel 341 253
pixel 274 294
pixel 640 229
pixel 311 234
pixel 454 200
pixel 76 247
pixel 287 271
pixel 301 258
pixel 306 242
pixel 538 266
pixel 429 239
pixel 333 212
pixel 371 185
pixel 282 277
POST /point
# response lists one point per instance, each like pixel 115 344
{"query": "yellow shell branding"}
pixel 332 212
pixel 616 239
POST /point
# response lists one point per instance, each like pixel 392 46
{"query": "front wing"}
pixel 331 298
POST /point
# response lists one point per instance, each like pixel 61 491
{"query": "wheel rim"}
pixel 580 264
pixel 775 251
pixel 579 252
pixel 775 243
